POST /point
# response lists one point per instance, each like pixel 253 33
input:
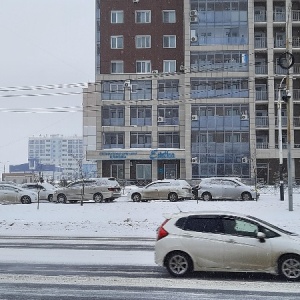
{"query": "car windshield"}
pixel 271 225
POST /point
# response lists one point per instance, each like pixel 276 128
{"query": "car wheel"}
pixel 173 197
pixel 61 198
pixel 206 196
pixel 50 198
pixel 289 267
pixel 246 196
pixel 25 200
pixel 98 198
pixel 179 264
pixel 136 197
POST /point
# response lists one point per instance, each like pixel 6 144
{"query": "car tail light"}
pixel 161 232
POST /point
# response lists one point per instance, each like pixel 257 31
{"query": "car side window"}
pixel 240 227
pixel 203 224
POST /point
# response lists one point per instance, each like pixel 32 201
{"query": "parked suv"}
pixel 224 188
pixel 167 189
pixel 97 189
pixel 14 194
pixel 226 242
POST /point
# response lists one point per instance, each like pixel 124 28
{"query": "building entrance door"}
pixel 170 171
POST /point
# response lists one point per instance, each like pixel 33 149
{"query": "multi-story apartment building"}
pixel 58 150
pixel 189 88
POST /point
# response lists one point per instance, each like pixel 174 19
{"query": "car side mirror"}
pixel 261 236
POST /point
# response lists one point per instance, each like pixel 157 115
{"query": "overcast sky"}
pixel 43 42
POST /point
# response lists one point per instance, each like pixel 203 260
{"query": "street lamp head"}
pixel 287 96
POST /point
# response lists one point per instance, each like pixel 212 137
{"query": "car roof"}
pixel 202 213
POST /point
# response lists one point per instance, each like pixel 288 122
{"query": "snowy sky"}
pixel 42 43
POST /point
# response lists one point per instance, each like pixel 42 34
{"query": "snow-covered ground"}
pixel 126 218
pixel 121 218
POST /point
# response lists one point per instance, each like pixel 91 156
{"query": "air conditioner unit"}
pixel 155 71
pixel 181 68
pixel 194 39
pixel 244 160
pixel 127 84
pixel 160 119
pixel 195 118
pixel 193 19
pixel 193 13
pixel 244 117
pixel 194 160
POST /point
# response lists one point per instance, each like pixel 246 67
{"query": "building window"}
pixel 141 116
pixel 117 67
pixel 113 90
pixel 143 41
pixel 140 140
pixel 116 42
pixel 143 171
pixel 169 41
pixel 169 66
pixel 117 16
pixel 168 89
pixel 169 16
pixel 168 140
pixel 113 116
pixel 168 115
pixel 141 90
pixel 113 140
pixel 143 66
pixel 143 16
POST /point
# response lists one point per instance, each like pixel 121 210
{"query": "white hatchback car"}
pixel 10 194
pixel 226 242
pixel 166 189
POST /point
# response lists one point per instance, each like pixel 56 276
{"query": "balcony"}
pixel 283 121
pixel 262 145
pixel 296 42
pixel 296 15
pixel 278 70
pixel 296 94
pixel 279 17
pixel 262 121
pixel 260 16
pixel 261 95
pixel 279 43
pixel 260 42
pixel 261 69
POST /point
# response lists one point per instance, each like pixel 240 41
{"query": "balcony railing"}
pixel 262 121
pixel 261 95
pixel 279 70
pixel 296 42
pixel 296 94
pixel 260 42
pixel 283 121
pixel 279 43
pixel 260 17
pixel 261 69
pixel 296 121
pixel 264 145
pixel 279 17
pixel 296 15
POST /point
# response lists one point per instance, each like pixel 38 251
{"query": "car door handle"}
pixel 187 235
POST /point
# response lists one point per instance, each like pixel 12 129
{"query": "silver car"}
pixel 97 189
pixel 224 188
pixel 167 189
pixel 45 190
pixel 14 194
pixel 226 242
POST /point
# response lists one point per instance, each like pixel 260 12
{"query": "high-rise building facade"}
pixel 189 88
pixel 65 152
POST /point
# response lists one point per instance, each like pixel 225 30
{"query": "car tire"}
pixel 246 196
pixel 178 264
pixel 206 196
pixel 289 267
pixel 50 198
pixel 61 198
pixel 98 198
pixel 25 200
pixel 136 197
pixel 173 197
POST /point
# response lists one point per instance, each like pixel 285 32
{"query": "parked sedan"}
pixel 224 188
pixel 167 189
pixel 45 190
pixel 226 242
pixel 97 189
pixel 13 194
